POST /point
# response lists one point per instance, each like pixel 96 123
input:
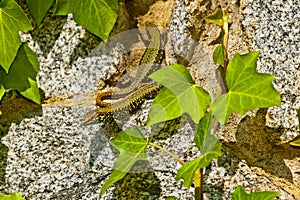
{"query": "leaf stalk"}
pixel 167 152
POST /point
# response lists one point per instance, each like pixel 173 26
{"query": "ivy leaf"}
pixel 2 91
pixel 130 140
pixel 12 20
pixel 216 17
pixel 171 198
pixel 240 194
pixel 179 96
pixel 218 55
pixel 22 74
pixel 209 147
pixel 38 9
pixel 132 147
pixel 248 89
pixel 166 106
pixel 205 141
pixel 115 176
pixel 97 16
pixel 13 196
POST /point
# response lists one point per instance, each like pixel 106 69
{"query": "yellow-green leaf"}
pixel 209 147
pixel 12 21
pixel 248 89
pixel 218 55
pixel 2 91
pixel 216 17
pixel 132 147
pixel 22 74
pixel 130 140
pixel 115 176
pixel 13 196
pixel 171 198
pixel 180 95
pixel 240 194
pixel 38 9
pixel 97 16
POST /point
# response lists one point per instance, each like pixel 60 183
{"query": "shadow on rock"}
pixel 141 184
pixel 260 146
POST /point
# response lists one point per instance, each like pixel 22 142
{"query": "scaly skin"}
pixel 120 104
pixel 135 91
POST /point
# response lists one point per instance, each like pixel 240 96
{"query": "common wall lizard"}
pixel 121 98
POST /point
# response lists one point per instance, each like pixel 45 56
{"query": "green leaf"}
pixel 130 140
pixel 97 16
pixel 204 140
pixel 179 96
pixel 32 92
pixel 218 55
pixel 38 9
pixel 209 147
pixel 166 106
pixel 2 91
pixel 132 147
pixel 240 194
pixel 22 74
pixel 216 17
pixel 13 196
pixel 171 198
pixel 12 20
pixel 248 89
pixel 115 176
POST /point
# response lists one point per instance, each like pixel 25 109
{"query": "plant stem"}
pixel 167 152
pixel 198 181
pixel 226 36
pixel 222 70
